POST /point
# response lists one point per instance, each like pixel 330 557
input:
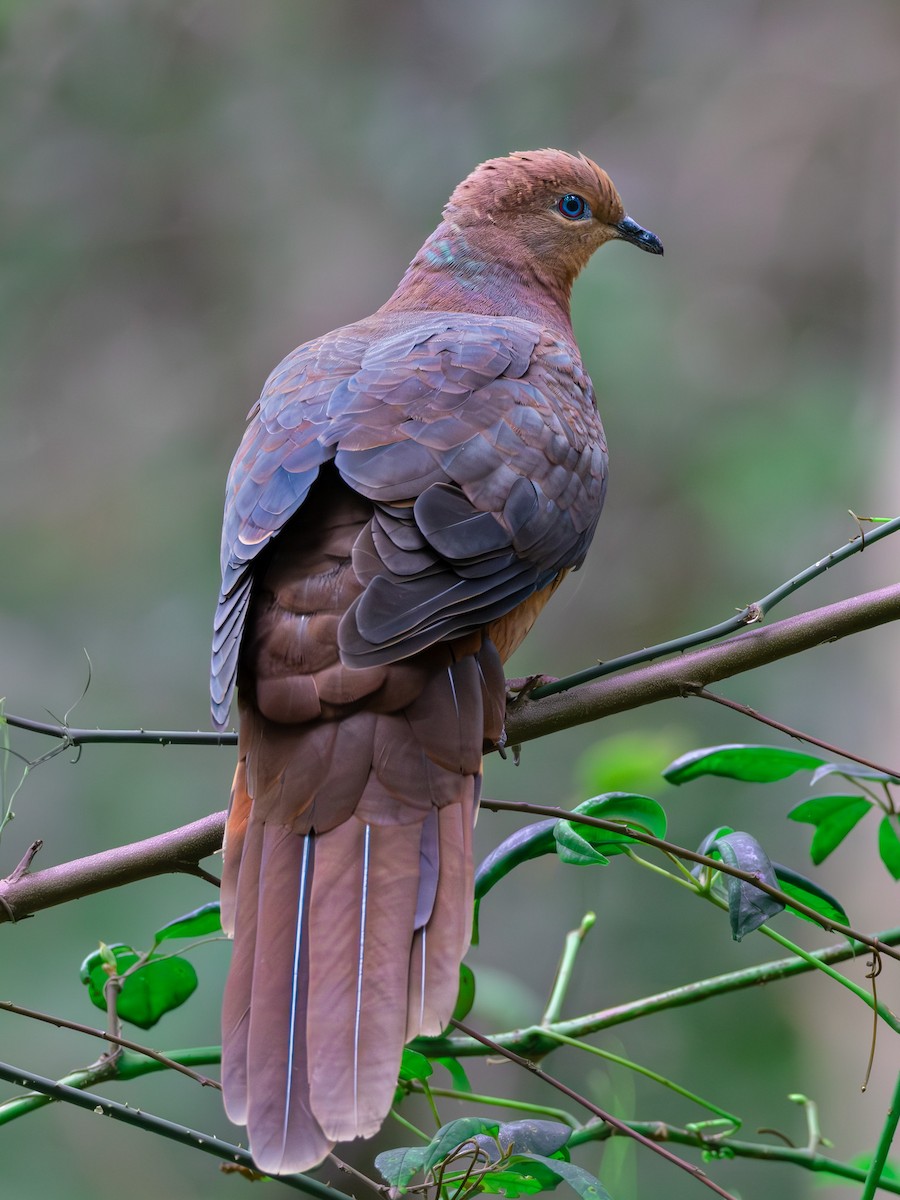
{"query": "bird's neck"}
pixel 485 274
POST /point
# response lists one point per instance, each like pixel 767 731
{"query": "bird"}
pixel 410 490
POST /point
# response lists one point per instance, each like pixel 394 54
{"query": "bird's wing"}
pixel 475 438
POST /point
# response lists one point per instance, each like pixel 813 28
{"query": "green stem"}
pixel 428 1093
pixel 814 1137
pixel 536 1040
pixel 799 1157
pixel 20 1106
pixel 650 1074
pixel 556 1114
pixel 685 879
pixel 408 1125
pixel 873 1175
pixel 815 962
pixel 571 946
pixel 860 992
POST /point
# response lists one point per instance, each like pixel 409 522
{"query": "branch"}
pixel 179 850
pixel 535 717
pixel 531 719
pixel 750 615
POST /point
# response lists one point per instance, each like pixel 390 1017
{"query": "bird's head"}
pixel 552 208
pixel 515 234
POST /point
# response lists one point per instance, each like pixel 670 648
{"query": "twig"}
pixel 21 869
pixel 345 1167
pixel 153 1124
pixel 747 616
pixel 534 718
pixel 72 736
pixel 548 810
pixel 704 694
pixel 614 1122
pixel 105 1036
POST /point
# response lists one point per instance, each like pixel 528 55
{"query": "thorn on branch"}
pixel 191 868
pixel 752 614
pixel 27 859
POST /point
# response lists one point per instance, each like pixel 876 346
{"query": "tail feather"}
pixel 233 847
pixel 363 907
pixel 439 946
pixel 240 898
pixel 283 1131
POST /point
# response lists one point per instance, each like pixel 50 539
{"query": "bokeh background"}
pixel 188 189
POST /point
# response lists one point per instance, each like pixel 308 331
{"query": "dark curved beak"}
pixel 630 231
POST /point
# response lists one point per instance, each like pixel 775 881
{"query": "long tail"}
pixel 348 887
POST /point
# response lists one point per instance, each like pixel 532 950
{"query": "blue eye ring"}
pixel 573 207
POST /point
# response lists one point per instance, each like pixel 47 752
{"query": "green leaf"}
pixel 573 848
pixel 449 1137
pixel 748 906
pixel 752 764
pixel 808 893
pixel 833 818
pixel 203 920
pixel 106 956
pixel 640 812
pixel 533 1137
pixel 851 771
pixel 544 837
pixel 153 990
pixel 513 1181
pixel 531 841
pixel 397 1167
pixel 414 1065
pixel 586 1185
pixel 889 845
pixel 457 1073
pixel 465 997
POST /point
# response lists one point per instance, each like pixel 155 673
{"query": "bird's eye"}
pixel 574 208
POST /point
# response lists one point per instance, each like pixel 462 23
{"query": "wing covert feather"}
pixel 475 439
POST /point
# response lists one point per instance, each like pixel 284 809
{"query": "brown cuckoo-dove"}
pixel 409 492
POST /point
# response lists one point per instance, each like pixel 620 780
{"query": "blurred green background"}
pixel 188 189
